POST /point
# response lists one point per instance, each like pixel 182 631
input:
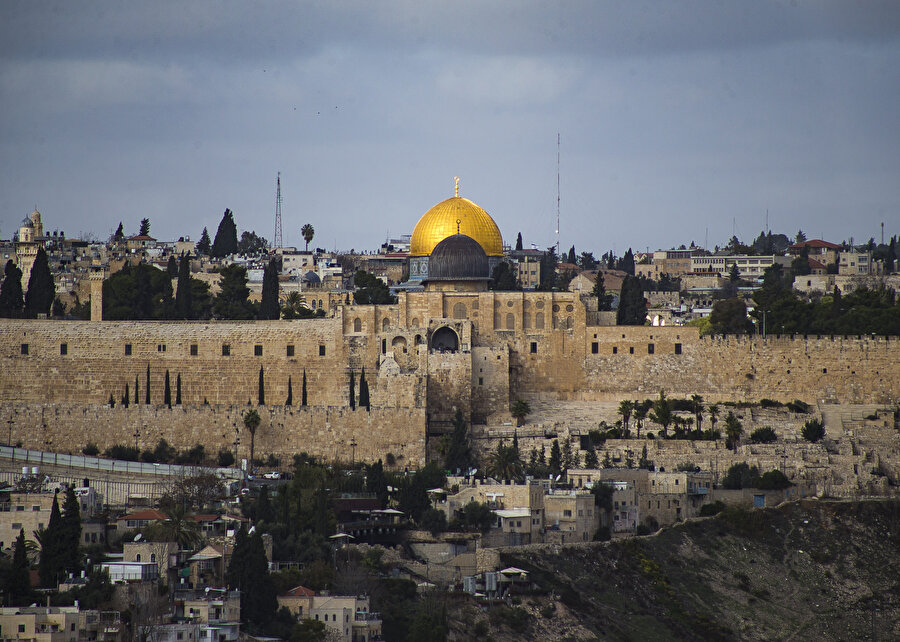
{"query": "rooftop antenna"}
pixel 278 238
pixel 557 193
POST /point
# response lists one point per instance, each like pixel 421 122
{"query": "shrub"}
pixel 90 450
pixel 708 510
pixel 770 403
pixel 647 527
pixel 122 452
pixel 813 430
pixel 740 476
pixel 433 520
pixel 603 534
pixel 764 435
pixel 686 467
pixel 548 610
pixel 773 480
pixel 798 407
pixel 225 458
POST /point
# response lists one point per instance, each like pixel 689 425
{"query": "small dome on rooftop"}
pixel 458 258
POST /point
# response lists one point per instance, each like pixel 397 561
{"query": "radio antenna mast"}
pixel 557 194
pixel 278 237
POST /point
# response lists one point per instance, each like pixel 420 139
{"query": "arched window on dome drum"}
pixel 510 321
pixel 385 324
pixel 445 340
pixel 357 325
pixel 539 321
pixel 459 311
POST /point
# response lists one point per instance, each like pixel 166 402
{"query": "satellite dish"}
pixel 137 538
pixel 252 530
pixel 558 477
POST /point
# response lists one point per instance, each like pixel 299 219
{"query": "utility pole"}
pixel 557 195
pixel 278 238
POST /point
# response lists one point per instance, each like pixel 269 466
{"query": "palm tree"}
pixel 251 423
pixel 519 409
pixel 697 403
pixel 713 411
pixel 177 528
pixel 505 463
pixel 308 232
pixel 733 430
pixel 662 413
pixel 626 407
pixel 640 413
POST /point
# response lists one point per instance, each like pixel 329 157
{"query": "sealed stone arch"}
pixel 459 311
pixel 385 324
pixel 445 340
pixel 357 324
pixel 398 345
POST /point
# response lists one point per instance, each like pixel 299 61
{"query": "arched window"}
pixel 137 558
pixel 398 344
pixel 385 324
pixel 510 321
pixel 459 311
pixel 414 323
pixel 526 321
pixel 357 325
pixel 152 557
pixel 539 321
pixel 320 304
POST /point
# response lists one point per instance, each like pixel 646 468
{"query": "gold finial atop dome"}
pixel 456 179
pixel 456 215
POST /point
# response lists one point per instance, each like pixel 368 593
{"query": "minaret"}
pixel 96 293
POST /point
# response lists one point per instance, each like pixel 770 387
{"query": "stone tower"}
pixel 96 294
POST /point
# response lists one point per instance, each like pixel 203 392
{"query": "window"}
pixel 24 348
pixel 21 628
pixel 161 347
pixel 631 350
pixel 290 351
pixel 615 350
pixel 595 348
pixel 650 348
pixel 226 350
pixel 194 350
pixel 35 508
pixel 567 513
pixel 534 347
pixel 677 348
pixel 480 381
pixel 127 349
pixel 257 350
pixel 17 526
pixel 19 508
pixel 321 350
pixel 64 348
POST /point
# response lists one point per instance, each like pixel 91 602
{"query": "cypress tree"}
pixel 290 399
pixel 632 307
pixel 352 391
pixel 204 244
pixel 167 392
pixel 184 302
pixel 70 535
pixel 178 390
pixel 147 389
pixel 11 299
pixel 41 288
pixel 125 397
pixel 172 267
pixel 519 241
pixel 226 241
pixel 363 391
pixel 49 566
pixel 136 391
pixel 268 306
pixel 262 388
pixel 303 392
pixel 248 572
pixel 18 583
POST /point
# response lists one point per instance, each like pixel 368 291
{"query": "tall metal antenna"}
pixel 278 237
pixel 557 193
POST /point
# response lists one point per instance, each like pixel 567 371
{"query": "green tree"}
pixel 729 316
pixel 231 302
pixel 505 463
pixel 764 435
pixel 503 278
pixel 145 227
pixel 590 456
pixel 519 241
pixel 555 464
pixel 307 232
pixel 520 409
pixel 632 306
pixel 184 300
pixel 303 390
pixel 733 431
pixel 261 388
pixel 352 391
pixel 626 408
pixel 11 300
pixel 604 299
pixel 178 390
pixel 41 288
pixel 172 267
pixel 713 411
pixel 251 423
pixel 370 289
pixel 52 556
pixel 226 241
pixel 459 451
pixel 147 387
pixel 268 307
pixel 70 532
pixel 119 234
pixel 587 261
pixel 549 261
pixel 248 572
pixel 204 245
pixel 740 476
pixel 252 244
pixel 813 430
pixel 17 584
pixel 697 409
pixel 290 397
pixel 640 414
pixel 376 482
pixel 662 413
pixel 137 292
pixel 363 391
pixel 167 391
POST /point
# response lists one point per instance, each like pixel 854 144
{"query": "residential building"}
pixel 59 624
pixel 749 267
pixel 348 616
pixel 570 515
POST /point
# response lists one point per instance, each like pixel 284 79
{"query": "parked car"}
pixel 273 475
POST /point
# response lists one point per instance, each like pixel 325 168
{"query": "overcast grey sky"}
pixel 675 117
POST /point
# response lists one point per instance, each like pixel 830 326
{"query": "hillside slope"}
pixel 823 570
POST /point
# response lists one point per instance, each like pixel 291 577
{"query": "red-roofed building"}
pixel 823 251
pixel 140 519
pixel 140 242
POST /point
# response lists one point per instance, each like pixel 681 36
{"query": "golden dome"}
pixel 441 221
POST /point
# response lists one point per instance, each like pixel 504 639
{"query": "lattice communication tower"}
pixel 278 238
